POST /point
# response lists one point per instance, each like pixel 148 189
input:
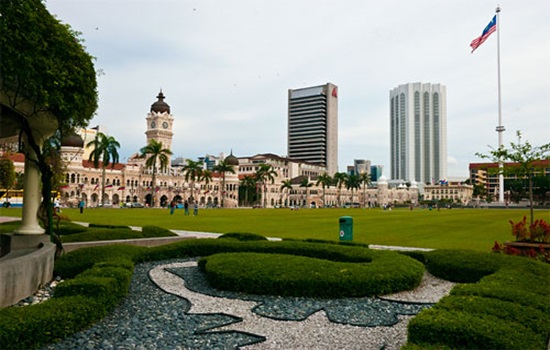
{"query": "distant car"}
pixel 136 205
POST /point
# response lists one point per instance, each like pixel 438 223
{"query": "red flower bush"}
pixel 538 233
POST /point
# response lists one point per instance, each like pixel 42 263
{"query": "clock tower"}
pixel 159 123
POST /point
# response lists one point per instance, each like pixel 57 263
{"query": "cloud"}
pixel 226 67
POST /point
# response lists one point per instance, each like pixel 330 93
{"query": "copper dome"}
pixel 72 140
pixel 160 106
pixel 231 160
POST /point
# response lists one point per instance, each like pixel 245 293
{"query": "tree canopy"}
pixel 44 64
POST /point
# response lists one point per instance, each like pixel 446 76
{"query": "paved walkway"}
pixel 197 234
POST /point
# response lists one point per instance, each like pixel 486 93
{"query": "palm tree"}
pixel 265 173
pixel 339 180
pixel 248 182
pixel 306 184
pixel 193 172
pixel 154 152
pixel 104 148
pixel 206 176
pixel 353 183
pixel 364 178
pixel 326 181
pixel 222 167
pixel 286 184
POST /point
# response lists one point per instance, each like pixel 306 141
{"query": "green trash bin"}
pixel 346 228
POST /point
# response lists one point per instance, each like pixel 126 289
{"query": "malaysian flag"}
pixel 96 187
pixel 490 29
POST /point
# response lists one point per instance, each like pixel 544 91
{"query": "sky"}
pixel 225 68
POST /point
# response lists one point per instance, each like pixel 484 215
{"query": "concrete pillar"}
pixel 31 197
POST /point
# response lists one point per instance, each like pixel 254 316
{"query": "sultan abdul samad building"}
pixel 132 182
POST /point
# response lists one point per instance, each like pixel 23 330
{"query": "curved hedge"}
pixel 291 275
pixel 507 309
pixel 504 305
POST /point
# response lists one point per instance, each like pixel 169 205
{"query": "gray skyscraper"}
pixel 418 132
pixel 313 125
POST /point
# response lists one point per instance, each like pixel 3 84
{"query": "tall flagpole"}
pixel 500 128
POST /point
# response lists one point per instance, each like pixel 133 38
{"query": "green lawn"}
pixel 475 229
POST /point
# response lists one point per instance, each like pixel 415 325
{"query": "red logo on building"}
pixel 335 92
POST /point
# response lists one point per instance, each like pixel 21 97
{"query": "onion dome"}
pixel 383 180
pixel 231 160
pixel 72 140
pixel 160 106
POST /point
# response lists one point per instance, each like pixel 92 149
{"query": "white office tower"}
pixel 418 132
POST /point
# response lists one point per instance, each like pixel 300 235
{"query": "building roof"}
pixel 160 106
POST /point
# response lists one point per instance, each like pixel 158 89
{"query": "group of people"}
pixel 173 206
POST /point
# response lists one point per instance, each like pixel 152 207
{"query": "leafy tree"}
pixel 304 182
pixel 339 181
pixel 193 172
pixel 326 181
pixel 265 173
pixel 541 187
pixel 222 168
pixel 104 150
pixel 517 189
pixel 7 173
pixel 156 153
pixel 286 185
pixel 45 73
pixel 524 162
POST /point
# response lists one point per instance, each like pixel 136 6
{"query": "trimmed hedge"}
pixel 289 275
pixel 68 228
pixel 243 236
pixel 506 305
pixel 151 231
pixel 77 303
pixel 507 308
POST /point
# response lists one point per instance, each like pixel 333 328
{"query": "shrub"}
pixel 102 234
pixel 466 330
pixel 69 228
pixel 243 236
pixel 507 309
pixel 78 261
pixel 288 275
pixel 107 226
pixel 155 231
pixel 32 326
pixel 460 265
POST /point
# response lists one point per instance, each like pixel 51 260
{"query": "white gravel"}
pixel 316 332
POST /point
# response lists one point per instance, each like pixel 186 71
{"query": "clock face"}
pixel 153 125
pixel 165 125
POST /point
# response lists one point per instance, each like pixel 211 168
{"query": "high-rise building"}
pixel 418 132
pixel 313 125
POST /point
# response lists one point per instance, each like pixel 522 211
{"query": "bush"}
pixel 78 261
pixel 32 326
pixel 155 231
pixel 466 330
pixel 506 309
pixel 103 234
pixel 461 266
pixel 243 236
pixel 69 228
pixel 288 275
pixel 107 226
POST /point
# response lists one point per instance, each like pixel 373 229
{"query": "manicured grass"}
pixel 474 229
